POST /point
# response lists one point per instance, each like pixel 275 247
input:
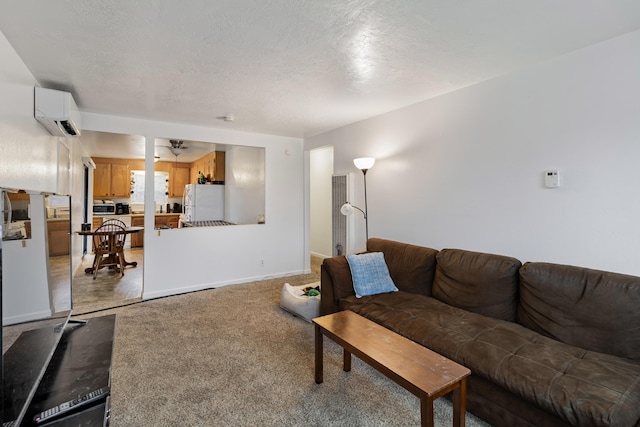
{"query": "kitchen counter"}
pixel 135 215
pixel 161 221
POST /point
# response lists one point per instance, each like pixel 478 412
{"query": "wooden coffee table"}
pixel 421 371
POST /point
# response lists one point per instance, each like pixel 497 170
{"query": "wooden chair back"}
pixel 108 247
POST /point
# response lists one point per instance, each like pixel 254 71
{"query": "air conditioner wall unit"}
pixel 57 112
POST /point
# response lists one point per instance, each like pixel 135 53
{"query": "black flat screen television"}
pixel 36 292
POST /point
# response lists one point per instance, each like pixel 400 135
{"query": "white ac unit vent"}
pixel 57 112
pixel 342 239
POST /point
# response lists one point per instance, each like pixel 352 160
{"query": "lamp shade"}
pixel 346 209
pixel 364 163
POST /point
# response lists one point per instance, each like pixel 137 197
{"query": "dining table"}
pixel 127 230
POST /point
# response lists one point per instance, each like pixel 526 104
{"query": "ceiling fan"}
pixel 176 147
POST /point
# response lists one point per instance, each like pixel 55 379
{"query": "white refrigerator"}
pixel 203 202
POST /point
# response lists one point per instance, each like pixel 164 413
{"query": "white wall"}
pixel 244 184
pixel 466 169
pixel 29 153
pixel 184 260
pixel 29 160
pixel 320 171
pixel 29 156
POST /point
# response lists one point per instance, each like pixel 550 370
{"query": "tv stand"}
pixel 81 364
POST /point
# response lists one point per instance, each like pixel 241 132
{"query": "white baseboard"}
pixel 201 287
pixel 12 320
pixel 320 255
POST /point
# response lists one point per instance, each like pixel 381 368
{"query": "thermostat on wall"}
pixel 552 179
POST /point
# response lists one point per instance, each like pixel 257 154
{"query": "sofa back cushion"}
pixel 592 309
pixel 482 283
pixel 411 267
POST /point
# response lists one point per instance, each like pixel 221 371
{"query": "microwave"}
pixel 104 208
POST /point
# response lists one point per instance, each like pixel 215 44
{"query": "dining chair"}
pixel 114 221
pixel 108 247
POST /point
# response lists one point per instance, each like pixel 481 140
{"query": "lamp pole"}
pixel 366 210
pixel 364 164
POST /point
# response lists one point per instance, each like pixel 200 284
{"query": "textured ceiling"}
pixel 290 67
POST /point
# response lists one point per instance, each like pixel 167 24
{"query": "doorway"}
pixel 320 218
pixel 107 181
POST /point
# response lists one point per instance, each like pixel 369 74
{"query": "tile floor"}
pixel 108 289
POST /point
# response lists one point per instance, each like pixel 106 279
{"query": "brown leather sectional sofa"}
pixel 547 344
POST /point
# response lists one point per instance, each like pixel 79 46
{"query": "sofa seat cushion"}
pixel 582 387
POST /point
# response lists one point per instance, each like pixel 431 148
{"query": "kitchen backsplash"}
pixel 170 201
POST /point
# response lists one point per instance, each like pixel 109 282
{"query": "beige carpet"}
pixel 233 357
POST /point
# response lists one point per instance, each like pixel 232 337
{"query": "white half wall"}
pixel 466 169
pixel 184 260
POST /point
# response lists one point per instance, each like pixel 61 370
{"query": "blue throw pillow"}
pixel 370 274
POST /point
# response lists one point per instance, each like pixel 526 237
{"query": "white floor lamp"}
pixel 364 164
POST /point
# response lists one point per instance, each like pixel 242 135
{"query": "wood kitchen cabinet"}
pixel 178 178
pixel 96 222
pixel 218 174
pixel 137 239
pixel 58 236
pixel 196 167
pixel 211 166
pixel 19 197
pixel 111 180
pixel 102 180
pixel 167 221
pixel 172 221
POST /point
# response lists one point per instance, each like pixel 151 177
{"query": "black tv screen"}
pixel 24 364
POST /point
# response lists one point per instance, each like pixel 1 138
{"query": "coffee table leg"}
pixel 426 411
pixel 346 360
pixel 459 399
pixel 318 364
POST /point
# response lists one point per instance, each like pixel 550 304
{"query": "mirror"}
pixel 58 226
pixel 35 278
pixel 15 215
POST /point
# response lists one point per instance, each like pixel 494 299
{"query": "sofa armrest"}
pixel 335 283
